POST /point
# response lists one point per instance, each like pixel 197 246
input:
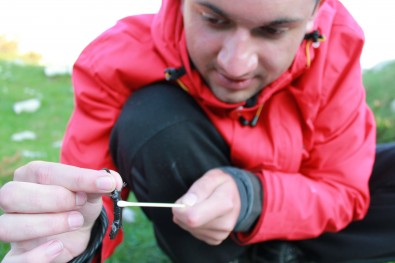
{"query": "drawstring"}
pixel 173 74
pixel 250 103
pixel 254 121
pixel 314 38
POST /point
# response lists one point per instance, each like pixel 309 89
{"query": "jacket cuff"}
pixel 251 193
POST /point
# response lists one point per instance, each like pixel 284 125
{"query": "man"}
pixel 251 113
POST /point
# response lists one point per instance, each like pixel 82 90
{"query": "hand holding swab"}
pixel 144 204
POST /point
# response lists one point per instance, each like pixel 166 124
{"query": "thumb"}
pixel 203 187
pixel 189 199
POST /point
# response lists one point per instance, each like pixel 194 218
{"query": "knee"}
pixel 162 126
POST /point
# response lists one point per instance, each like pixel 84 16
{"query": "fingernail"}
pixel 105 183
pixel 75 220
pixel 189 199
pixel 80 199
pixel 54 248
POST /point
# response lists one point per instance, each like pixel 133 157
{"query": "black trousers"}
pixel 163 142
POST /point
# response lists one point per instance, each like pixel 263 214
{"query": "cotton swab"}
pixel 144 204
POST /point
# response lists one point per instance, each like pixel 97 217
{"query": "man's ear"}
pixel 310 23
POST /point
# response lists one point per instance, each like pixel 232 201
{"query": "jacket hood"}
pixel 168 32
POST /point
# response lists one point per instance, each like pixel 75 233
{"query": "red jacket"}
pixel 314 144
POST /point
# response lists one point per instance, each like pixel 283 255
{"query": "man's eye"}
pixel 271 32
pixel 214 20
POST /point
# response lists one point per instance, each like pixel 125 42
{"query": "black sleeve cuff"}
pixel 251 194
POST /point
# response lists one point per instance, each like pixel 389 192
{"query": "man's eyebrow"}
pixel 276 22
pixel 213 8
pixel 283 21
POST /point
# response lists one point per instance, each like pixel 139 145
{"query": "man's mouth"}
pixel 232 83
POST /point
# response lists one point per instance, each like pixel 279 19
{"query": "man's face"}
pixel 240 46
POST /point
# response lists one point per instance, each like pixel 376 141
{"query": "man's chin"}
pixel 231 98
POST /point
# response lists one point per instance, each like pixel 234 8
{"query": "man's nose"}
pixel 238 57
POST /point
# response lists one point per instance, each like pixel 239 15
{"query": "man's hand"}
pixel 49 210
pixel 213 206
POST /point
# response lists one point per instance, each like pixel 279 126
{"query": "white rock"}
pixel 23 136
pixel 52 70
pixel 32 154
pixel 30 105
pixel 57 144
pixel 128 215
pixel 392 106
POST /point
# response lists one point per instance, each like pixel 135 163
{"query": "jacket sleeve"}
pixel 330 190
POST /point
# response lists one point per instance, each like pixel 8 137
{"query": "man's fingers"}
pixel 73 178
pixel 211 237
pixel 209 198
pixel 21 197
pixel 219 203
pixel 212 233
pixel 20 227
pixel 205 211
pixel 44 253
pixel 205 186
pixel 219 225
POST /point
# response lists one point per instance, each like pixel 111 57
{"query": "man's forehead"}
pixel 261 12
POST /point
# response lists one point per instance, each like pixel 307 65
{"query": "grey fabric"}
pixel 251 194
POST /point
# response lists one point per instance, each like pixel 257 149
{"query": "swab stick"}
pixel 144 204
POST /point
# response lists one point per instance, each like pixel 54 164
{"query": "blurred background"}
pixel 59 29
pixel 41 39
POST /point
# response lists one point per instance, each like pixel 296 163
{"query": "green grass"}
pixel 20 82
pixel 380 89
pixel 139 244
